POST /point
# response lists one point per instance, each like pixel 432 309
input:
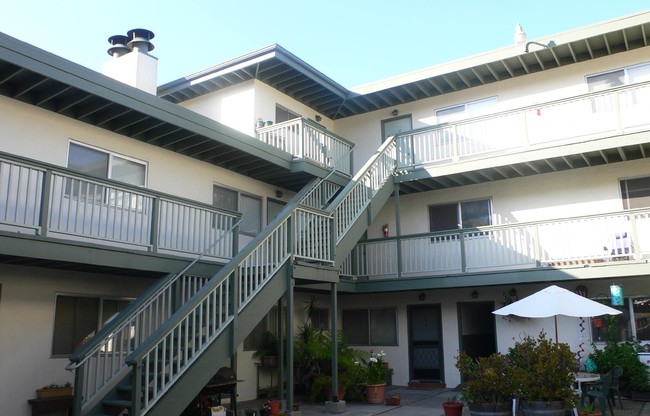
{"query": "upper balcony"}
pixel 307 140
pixel 42 203
pixel 564 248
pixel 575 132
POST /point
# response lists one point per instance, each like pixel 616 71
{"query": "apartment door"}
pixel 425 343
pixel 395 126
pixel 477 328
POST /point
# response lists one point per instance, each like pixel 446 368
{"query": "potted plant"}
pixel 543 375
pixel 487 383
pixel 375 378
pixel 54 390
pixel 268 350
pixel 452 406
pixel 588 410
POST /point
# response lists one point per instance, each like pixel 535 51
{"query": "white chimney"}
pixel 520 35
pixel 131 63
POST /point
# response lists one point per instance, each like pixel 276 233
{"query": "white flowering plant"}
pixel 376 368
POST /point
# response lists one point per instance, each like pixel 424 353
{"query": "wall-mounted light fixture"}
pixel 550 44
pixel 278 194
pixel 617 295
pixel 421 297
pixel 474 294
pixel 318 118
pixel 394 112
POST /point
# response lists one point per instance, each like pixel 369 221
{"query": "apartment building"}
pixel 148 235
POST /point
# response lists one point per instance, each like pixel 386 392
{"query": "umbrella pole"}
pixel 556 340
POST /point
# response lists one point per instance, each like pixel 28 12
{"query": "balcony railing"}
pixel 50 201
pixel 307 140
pixel 621 235
pixel 588 116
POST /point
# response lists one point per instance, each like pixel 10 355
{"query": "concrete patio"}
pixel 418 402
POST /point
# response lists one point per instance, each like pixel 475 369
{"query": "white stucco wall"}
pixel 27 305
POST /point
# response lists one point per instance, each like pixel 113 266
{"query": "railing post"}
pixel 635 238
pixel 302 141
pixel 537 246
pixel 463 254
pixel 79 381
pixel 46 200
pixel 398 231
pixel 155 226
pixel 619 110
pixel 136 383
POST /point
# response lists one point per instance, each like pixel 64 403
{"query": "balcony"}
pixel 44 200
pixel 307 140
pixel 574 120
pixel 570 242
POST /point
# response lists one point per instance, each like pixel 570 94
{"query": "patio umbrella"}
pixel 554 301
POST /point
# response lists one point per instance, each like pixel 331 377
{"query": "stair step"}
pixel 117 403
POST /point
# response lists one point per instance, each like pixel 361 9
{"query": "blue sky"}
pixel 353 42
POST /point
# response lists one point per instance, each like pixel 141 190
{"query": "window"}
pixel 283 114
pixel 469 214
pixel 319 319
pixel 632 324
pixel 635 193
pixel 371 326
pixel 466 110
pixel 105 165
pixel 250 207
pixel 77 318
pixel 617 78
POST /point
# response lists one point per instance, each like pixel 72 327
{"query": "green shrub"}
pixel 625 355
pixel 486 379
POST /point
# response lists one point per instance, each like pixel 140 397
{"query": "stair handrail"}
pixel 129 315
pixel 357 194
pixel 219 280
pixel 333 170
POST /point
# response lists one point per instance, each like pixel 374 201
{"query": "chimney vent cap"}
pixel 139 38
pixel 119 47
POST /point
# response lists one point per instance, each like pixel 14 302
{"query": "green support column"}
pixel 289 331
pixel 335 353
pixel 398 231
pixel 282 362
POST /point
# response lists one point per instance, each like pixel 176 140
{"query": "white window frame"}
pixel 465 110
pixel 239 195
pixel 98 324
pixel 370 329
pixel 111 155
pixel 459 212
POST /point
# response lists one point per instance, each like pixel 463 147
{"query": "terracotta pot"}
pixel 453 409
pixel 375 393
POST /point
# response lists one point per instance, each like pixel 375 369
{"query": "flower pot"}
pixel 543 408
pixel 453 409
pixel 53 392
pixel 375 393
pixel 274 405
pixel 490 409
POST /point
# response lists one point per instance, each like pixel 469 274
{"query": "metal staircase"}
pixel 155 357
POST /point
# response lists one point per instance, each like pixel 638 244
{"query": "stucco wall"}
pixel 27 305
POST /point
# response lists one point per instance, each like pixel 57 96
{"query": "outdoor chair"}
pixel 598 390
pixel 617 372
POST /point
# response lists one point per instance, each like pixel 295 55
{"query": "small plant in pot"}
pixel 543 375
pixel 268 350
pixel 452 406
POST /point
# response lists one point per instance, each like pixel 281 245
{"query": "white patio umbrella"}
pixel 554 301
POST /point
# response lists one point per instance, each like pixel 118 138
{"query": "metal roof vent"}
pixel 140 40
pixel 119 47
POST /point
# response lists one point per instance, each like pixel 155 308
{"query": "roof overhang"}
pixel 39 78
pixel 286 73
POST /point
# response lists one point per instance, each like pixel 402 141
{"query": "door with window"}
pixel 425 344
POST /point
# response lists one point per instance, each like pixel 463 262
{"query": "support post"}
pixel 335 352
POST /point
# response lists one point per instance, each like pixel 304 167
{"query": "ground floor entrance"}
pixel 425 344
